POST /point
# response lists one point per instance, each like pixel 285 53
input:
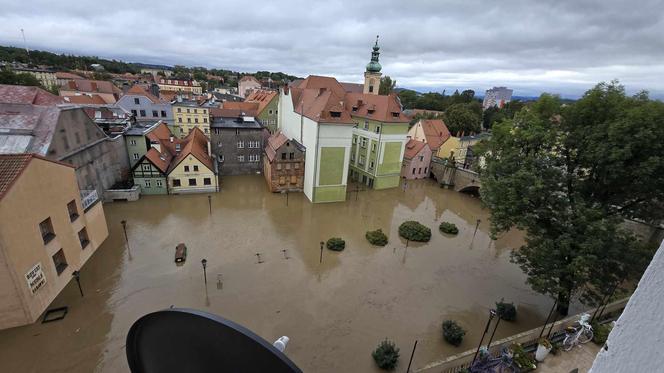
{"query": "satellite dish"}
pixel 191 341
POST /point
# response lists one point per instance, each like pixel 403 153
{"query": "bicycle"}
pixel 487 364
pixel 583 333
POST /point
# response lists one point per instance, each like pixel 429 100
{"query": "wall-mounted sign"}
pixel 35 278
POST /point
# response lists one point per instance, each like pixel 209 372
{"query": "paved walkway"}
pixel 581 358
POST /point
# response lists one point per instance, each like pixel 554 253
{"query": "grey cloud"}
pixel 532 46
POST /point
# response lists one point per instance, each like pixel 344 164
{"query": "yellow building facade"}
pixel 48 231
pixel 188 115
pixel 192 170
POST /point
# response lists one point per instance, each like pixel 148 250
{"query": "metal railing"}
pixel 88 198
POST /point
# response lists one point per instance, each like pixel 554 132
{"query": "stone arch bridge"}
pixel 460 179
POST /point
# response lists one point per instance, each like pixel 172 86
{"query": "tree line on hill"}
pixel 66 62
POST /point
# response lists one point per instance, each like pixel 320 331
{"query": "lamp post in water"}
pixel 124 228
pixel 321 252
pixel 210 203
pixel 77 276
pixel 492 314
pixel 204 263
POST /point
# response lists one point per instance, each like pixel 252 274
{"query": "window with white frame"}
pixel 361 162
pixel 240 158
pixel 158 183
pixel 147 184
pixel 363 142
pixel 136 156
pixel 366 124
pixel 132 142
pixel 240 144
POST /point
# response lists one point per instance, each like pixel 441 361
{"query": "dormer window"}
pixel 395 114
pixel 354 108
pixel 371 111
pixel 335 114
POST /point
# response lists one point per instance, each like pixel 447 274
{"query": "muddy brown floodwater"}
pixel 335 313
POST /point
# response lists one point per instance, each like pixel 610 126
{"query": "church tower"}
pixel 372 74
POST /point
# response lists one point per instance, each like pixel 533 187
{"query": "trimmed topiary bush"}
pixel 386 355
pixel 506 311
pixel 376 237
pixel 336 244
pixel 449 228
pixel 414 231
pixel 453 333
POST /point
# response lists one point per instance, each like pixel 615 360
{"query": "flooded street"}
pixel 335 313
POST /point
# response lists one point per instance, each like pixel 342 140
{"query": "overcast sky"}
pixel 557 46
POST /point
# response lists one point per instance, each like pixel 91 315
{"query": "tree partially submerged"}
pixel 568 176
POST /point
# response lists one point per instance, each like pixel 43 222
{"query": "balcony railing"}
pixel 88 198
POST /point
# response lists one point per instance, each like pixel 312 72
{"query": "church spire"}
pixel 372 74
pixel 374 65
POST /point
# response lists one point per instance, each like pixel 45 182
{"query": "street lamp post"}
pixel 321 252
pixel 77 276
pixel 204 263
pixel 492 314
pixel 286 193
pixel 210 203
pixel 124 228
pixel 493 333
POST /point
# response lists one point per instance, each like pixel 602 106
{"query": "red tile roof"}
pixel 262 97
pixel 249 77
pixel 66 75
pixel 413 147
pixel 139 91
pixel 376 107
pixel 12 166
pixel 91 86
pixel 435 131
pixel 248 108
pixel 274 142
pixel 196 144
pixel 324 99
pixel 85 100
pixel 18 94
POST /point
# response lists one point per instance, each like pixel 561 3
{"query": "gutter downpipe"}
pixel 315 181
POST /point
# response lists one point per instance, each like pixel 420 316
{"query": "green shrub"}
pixel 449 228
pixel 336 244
pixel 453 333
pixel 414 231
pixel 600 332
pixel 376 237
pixel 386 355
pixel 506 311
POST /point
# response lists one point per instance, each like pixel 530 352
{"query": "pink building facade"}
pixel 416 160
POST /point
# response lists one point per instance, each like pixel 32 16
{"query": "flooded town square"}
pixel 335 313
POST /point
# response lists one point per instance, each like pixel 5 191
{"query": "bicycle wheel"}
pixel 568 343
pixel 586 336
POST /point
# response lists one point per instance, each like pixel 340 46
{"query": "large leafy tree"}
pixel 461 118
pixel 387 85
pixel 568 177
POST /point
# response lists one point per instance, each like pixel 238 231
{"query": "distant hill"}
pixel 71 62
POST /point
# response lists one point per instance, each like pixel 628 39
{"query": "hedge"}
pixel 376 237
pixel 386 355
pixel 449 228
pixel 414 231
pixel 336 244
